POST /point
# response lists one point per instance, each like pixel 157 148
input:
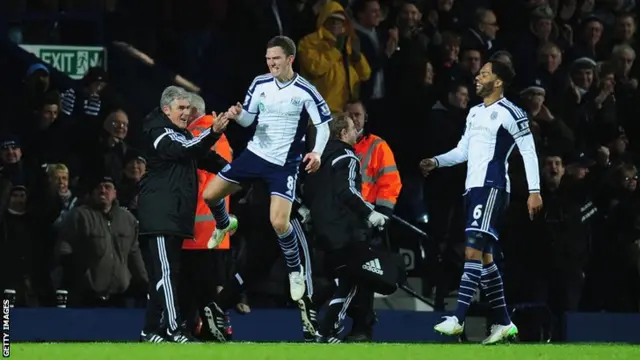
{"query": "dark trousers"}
pixel 345 292
pixel 202 271
pixel 361 309
pixel 163 267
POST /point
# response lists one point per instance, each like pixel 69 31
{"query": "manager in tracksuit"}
pixel 167 204
pixel 339 216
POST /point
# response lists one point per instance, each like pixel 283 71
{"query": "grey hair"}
pixel 621 49
pixel 197 102
pixel 171 94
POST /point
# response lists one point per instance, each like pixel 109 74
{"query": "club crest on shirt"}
pixel 296 101
pixel 324 110
pixel 494 115
pixel 261 107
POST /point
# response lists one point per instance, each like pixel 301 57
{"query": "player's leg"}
pixel 308 311
pixel 491 283
pixel 279 214
pixel 477 199
pixel 493 290
pixel 226 182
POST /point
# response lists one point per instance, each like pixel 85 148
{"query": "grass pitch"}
pixel 283 351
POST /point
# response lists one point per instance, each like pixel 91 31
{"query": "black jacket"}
pixel 169 188
pixel 333 195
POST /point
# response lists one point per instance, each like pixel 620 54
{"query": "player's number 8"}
pixel 477 212
pixel 290 185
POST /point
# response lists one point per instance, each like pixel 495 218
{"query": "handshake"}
pixel 377 220
pixel 222 119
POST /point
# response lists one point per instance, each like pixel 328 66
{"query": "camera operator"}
pixel 339 217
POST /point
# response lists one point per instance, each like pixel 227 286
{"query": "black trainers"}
pixel 216 320
pixel 309 318
pixel 327 339
pixel 151 338
pixel 180 337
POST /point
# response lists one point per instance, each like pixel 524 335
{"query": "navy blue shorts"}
pixel 249 166
pixel 486 208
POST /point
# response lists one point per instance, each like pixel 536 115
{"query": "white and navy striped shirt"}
pixel 279 107
pixel 491 133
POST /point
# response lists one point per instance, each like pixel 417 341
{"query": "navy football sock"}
pixel 220 214
pixel 468 286
pixel 493 289
pixel 289 245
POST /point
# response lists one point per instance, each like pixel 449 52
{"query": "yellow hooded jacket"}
pixel 321 62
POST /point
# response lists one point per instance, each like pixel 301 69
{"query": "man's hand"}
pixel 220 122
pixel 427 165
pixel 377 220
pixel 234 111
pixel 313 162
pixel 534 204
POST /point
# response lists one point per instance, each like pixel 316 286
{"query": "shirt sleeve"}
pixel 521 133
pixel 457 155
pixel 172 145
pixel 345 168
pixel 315 105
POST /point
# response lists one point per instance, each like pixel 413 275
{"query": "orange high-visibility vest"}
pixel 381 183
pixel 205 224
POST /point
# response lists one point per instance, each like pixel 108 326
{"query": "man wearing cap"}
pixel 549 130
pixel 98 250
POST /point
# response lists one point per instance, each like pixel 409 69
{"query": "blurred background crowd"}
pixel 71 140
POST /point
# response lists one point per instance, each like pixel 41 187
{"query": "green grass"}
pixel 283 351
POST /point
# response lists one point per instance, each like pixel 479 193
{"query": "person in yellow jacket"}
pixel 381 187
pixel 330 57
pixel 204 269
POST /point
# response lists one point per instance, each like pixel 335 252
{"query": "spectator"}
pixel 135 166
pixel 18 244
pixel 99 251
pixel 483 32
pixel 108 153
pixel 378 45
pixel 331 58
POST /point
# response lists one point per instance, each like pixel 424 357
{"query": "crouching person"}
pixel 339 217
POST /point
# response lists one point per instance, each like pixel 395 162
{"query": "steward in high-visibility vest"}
pixel 381 183
pixel 205 223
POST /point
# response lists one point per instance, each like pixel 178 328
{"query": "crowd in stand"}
pixel 413 65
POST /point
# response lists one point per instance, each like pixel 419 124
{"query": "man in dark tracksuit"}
pixel 167 204
pixel 339 216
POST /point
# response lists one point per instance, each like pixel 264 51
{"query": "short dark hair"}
pixel 340 122
pixel 355 102
pixel 51 97
pixel 455 86
pixel 284 42
pixel 503 71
